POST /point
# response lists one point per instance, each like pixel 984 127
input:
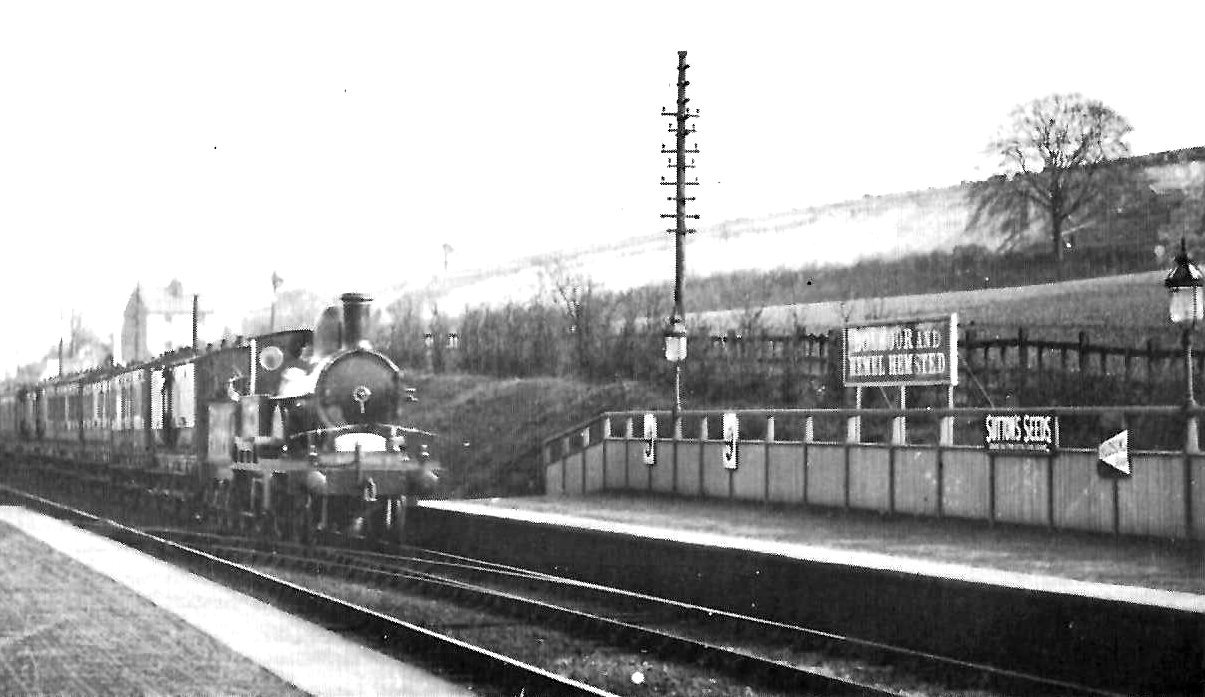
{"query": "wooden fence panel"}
pixel 916 480
pixel 617 453
pixel 749 478
pixel 786 472
pixel 1151 501
pixel 688 483
pixel 715 477
pixel 573 475
pixel 869 468
pixel 1022 489
pixel 663 472
pixel 1083 500
pixel 826 475
pixel 638 473
pixel 594 468
pixel 965 483
pixel 553 483
pixel 1198 498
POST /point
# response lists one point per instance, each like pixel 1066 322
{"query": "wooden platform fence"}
pixel 786 464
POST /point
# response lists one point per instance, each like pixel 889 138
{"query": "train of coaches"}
pixel 294 432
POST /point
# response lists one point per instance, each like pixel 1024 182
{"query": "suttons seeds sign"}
pixel 1021 433
pixel 907 352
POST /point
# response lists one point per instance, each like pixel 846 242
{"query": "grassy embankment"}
pixel 504 420
pixel 492 428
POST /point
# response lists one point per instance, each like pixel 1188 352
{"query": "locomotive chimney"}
pixel 356 307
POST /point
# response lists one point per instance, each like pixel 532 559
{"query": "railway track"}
pixel 780 658
pixel 748 648
pixel 485 671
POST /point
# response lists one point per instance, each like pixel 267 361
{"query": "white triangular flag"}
pixel 1115 452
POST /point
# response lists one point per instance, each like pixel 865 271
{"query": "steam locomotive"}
pixel 292 433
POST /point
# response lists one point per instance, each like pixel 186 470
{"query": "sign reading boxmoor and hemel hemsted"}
pixel 902 352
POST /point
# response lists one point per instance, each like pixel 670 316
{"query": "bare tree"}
pixel 1053 151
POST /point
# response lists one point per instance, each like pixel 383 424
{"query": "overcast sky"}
pixel 342 144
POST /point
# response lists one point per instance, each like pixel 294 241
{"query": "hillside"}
pixel 940 219
pixel 1117 310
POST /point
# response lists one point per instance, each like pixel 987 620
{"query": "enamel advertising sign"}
pixel 902 352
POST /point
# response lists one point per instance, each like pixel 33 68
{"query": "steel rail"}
pixel 393 569
pixel 739 663
pixel 394 636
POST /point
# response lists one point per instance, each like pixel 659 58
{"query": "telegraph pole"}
pixel 675 336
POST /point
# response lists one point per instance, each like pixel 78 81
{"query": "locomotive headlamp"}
pixel 271 358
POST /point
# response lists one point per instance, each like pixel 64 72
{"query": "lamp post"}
pixel 1186 306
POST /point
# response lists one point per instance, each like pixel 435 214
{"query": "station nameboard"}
pixel 1021 432
pixel 904 352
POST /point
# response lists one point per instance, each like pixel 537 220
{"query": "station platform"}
pixel 1120 614
pixel 85 615
pixel 1111 566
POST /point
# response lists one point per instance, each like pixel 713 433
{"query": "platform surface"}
pixel 273 653
pixel 1147 572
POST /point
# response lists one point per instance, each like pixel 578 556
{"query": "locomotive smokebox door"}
pixel 358 387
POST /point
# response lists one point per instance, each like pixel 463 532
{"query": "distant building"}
pixel 156 321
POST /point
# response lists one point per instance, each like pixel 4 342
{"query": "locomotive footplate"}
pixel 338 480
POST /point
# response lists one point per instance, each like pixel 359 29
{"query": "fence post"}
pixel 899 424
pixel 945 434
pixel 565 447
pixel 769 440
pixel 703 435
pixel 1151 369
pixel 676 428
pixel 606 436
pixel 809 436
pixel 629 432
pixel 1023 364
pixel 853 424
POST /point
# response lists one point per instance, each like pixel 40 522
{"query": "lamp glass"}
pixel 1186 304
pixel 675 347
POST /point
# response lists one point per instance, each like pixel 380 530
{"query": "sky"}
pixel 342 144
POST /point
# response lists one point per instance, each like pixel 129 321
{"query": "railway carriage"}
pixel 294 432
